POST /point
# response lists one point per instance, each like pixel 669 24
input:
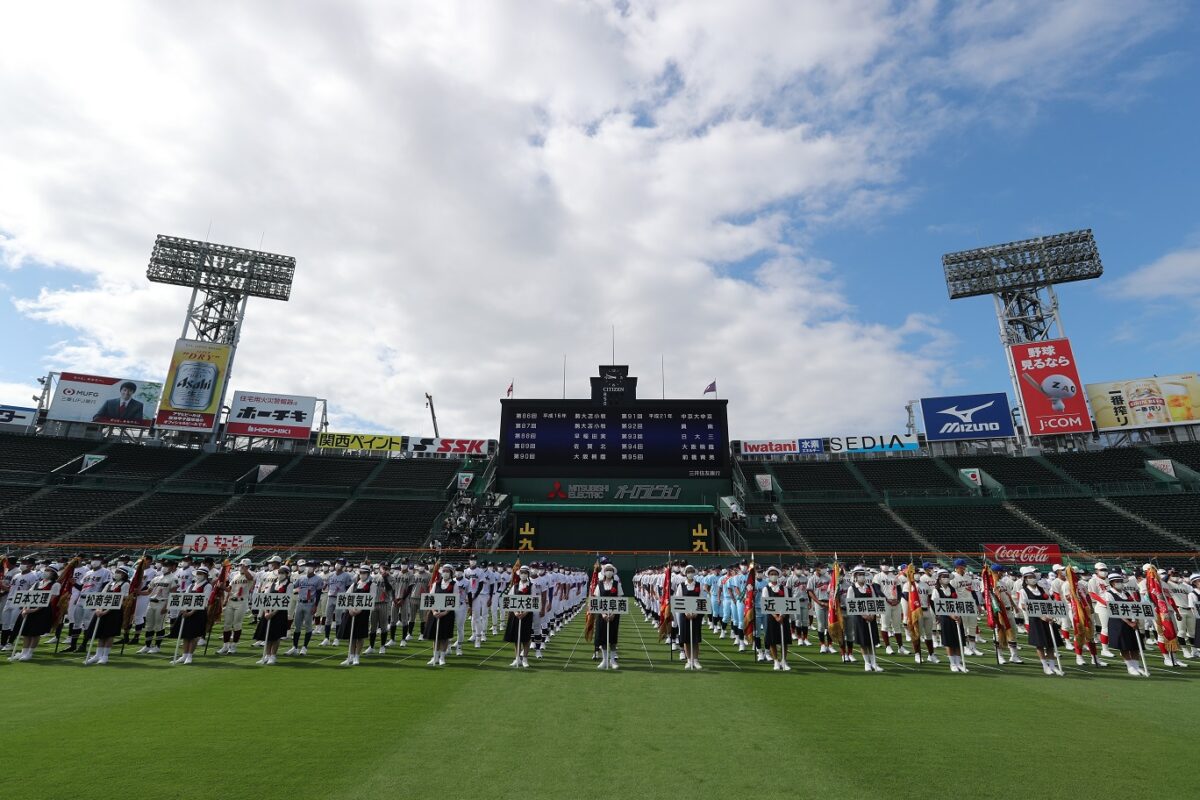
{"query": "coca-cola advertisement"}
pixel 1046 554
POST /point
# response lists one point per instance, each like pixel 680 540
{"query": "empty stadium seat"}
pixel 152 520
pixel 848 527
pixel 906 475
pixel 1187 453
pixel 232 465
pixel 380 523
pixel 1094 527
pixel 138 462
pixel 1118 465
pixel 344 471
pixel 812 477
pixel 275 521
pixel 41 453
pixel 1009 470
pixel 1178 513
pixel 58 512
pixel 416 473
pixel 966 528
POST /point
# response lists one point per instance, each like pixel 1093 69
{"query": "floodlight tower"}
pixel 222 279
pixel 1020 277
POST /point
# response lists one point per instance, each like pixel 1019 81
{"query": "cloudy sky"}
pixel 758 193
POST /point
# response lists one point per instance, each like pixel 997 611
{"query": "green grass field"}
pixel 393 727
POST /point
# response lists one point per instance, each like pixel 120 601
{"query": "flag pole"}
pixel 1137 632
pixel 20 633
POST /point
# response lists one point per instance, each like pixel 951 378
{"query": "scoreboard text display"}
pixel 665 438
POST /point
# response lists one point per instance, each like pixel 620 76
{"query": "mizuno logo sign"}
pixel 966 414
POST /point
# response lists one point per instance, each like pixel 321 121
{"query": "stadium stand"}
pixel 906 475
pixel 146 463
pixel 1187 453
pixel 328 471
pixel 1094 527
pixel 814 477
pixel 848 527
pixel 11 495
pixel 153 519
pixel 1118 465
pixel 964 528
pixel 416 473
pixel 272 521
pixel 41 453
pixel 1009 470
pixel 1179 514
pixel 380 523
pixel 58 512
pixel 233 465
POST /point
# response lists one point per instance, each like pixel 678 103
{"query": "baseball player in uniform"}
pixel 162 586
pixel 891 622
pixel 20 579
pixel 308 588
pixel 966 586
pixel 336 583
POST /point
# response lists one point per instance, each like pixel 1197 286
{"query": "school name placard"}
pixel 354 600
pixel 689 605
pixel 865 606
pixel 1046 608
pixel 33 598
pixel 948 607
pixel 1130 609
pixel 186 601
pixel 271 601
pixel 520 602
pixel 102 601
pixel 608 605
pixel 439 601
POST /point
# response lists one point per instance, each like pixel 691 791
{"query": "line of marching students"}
pixel 909 624
pixel 391 616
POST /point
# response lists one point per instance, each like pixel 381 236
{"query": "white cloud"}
pixel 1173 276
pixel 472 190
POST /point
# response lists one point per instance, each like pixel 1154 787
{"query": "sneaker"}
pixel 876 668
pixel 917 658
pixel 783 665
pixel 850 657
pixel 603 664
pixel 1047 669
pixel 224 649
pixel 334 643
pixel 904 651
pixel 292 651
pixel 383 651
pixel 963 668
pixel 263 660
pixel 368 651
pixel 1056 670
pixel 153 650
pixel 1134 671
pixel 933 659
pixel 349 662
pixel 1016 660
pixel 433 662
pixel 1080 661
pixel 457 651
pixel 524 662
pixel 407 637
pixel 953 667
pixel 1098 663
pixel 1106 653
pixel 145 649
pixel 303 651
pixel 390 643
pixel 890 650
pixel 516 662
pixel 1176 662
pixel 696 665
pixel 442 660
pixel 92 659
pixel 687 665
pixel 538 654
pixel 325 643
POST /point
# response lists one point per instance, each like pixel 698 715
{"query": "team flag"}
pixel 130 603
pixel 711 388
pixel 664 603
pixel 589 625
pixel 509 392
pixel 836 624
pixel 66 582
pixel 215 599
pixel 1083 615
pixel 914 605
pixel 996 615
pixel 748 602
pixel 1164 611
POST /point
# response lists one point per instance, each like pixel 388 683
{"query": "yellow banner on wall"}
pixel 191 398
pixel 1146 402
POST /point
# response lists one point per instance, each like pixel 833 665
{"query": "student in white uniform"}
pixel 237 603
pixel 20 579
pixel 891 623
pixel 162 586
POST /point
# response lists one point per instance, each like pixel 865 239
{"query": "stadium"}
pixel 615 589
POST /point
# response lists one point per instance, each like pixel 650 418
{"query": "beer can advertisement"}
pixel 275 416
pixel 192 394
pixel 99 400
pixel 1049 386
pixel 1146 402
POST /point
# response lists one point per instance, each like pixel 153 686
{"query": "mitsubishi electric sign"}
pixel 968 416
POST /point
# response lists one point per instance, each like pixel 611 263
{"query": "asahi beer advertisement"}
pixel 100 400
pixel 192 393
pixel 1146 402
pixel 277 416
pixel 1048 381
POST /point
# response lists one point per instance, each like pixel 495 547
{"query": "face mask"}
pixel 774 579
pixel 691 577
pixel 95 565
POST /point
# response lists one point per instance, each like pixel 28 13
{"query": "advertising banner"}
pixel 967 416
pixel 1023 553
pixel 17 418
pixel 378 442
pixel 276 416
pixel 873 443
pixel 1048 382
pixel 476 447
pixel 781 447
pixel 204 545
pixel 195 379
pixel 104 401
pixel 1146 402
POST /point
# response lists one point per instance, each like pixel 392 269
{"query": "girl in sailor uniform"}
pixel 354 623
pixel 35 623
pixel 190 625
pixel 608 625
pixel 1123 633
pixel 1043 630
pixel 689 624
pixel 439 625
pixel 106 623
pixel 777 631
pixel 951 633
pixel 273 624
pixel 518 630
pixel 866 626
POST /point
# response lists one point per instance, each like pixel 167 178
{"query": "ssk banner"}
pixel 477 447
pixel 276 416
pixel 192 393
pixel 104 401
pixel 1048 381
pixel 967 416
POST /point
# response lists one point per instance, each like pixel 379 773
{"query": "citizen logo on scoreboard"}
pixel 1022 553
pixel 461 446
pixel 967 416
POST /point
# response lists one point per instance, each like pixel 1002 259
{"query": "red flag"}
pixel 589 625
pixel 748 602
pixel 997 615
pixel 914 605
pixel 835 606
pixel 664 603
pixel 1164 609
pixel 214 600
pixel 1083 614
pixel 66 582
